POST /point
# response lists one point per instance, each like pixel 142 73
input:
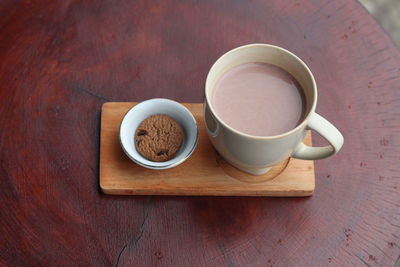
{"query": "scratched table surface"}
pixel 61 60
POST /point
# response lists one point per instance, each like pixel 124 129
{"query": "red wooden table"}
pixel 61 60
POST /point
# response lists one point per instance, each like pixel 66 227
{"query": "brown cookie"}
pixel 158 138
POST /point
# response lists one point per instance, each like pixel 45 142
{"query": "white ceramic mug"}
pixel 255 154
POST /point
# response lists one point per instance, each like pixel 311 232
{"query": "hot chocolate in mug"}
pixel 256 154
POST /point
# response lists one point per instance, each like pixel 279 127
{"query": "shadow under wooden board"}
pixel 204 173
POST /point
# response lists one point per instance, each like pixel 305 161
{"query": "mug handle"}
pixel 327 131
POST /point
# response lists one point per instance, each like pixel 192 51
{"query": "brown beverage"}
pixel 259 99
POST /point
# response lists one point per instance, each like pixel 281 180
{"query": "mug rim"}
pixel 268 137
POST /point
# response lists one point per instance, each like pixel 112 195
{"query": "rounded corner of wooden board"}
pixel 105 189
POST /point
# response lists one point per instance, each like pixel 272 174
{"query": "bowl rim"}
pixel 173 163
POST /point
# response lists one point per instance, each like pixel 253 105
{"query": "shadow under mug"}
pixel 257 154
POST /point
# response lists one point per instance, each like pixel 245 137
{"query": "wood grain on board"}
pixel 204 173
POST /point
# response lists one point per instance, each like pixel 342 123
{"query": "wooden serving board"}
pixel 203 173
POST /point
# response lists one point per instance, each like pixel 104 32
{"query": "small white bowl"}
pixel 144 109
